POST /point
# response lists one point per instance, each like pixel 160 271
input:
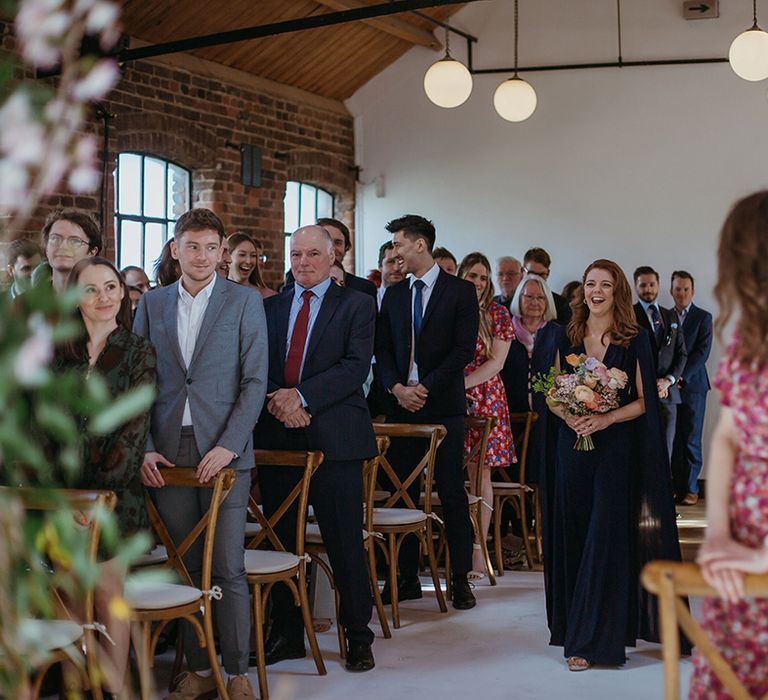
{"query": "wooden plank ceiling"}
pixel 331 61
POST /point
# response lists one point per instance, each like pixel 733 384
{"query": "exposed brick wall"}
pixel 177 115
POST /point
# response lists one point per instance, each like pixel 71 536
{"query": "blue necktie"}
pixel 418 316
pixel 658 330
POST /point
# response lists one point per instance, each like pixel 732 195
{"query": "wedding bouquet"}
pixel 590 389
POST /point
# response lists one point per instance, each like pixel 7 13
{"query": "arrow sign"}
pixel 701 10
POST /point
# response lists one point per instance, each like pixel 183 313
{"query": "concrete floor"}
pixel 498 651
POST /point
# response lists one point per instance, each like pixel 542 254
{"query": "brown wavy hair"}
pixel 742 264
pixel 624 326
pixel 235 240
pixel 486 323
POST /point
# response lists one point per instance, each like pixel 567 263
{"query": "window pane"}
pixel 178 191
pixel 130 244
pixel 308 213
pixel 287 253
pixel 154 238
pixel 129 184
pixel 154 188
pixel 291 206
pixel 324 204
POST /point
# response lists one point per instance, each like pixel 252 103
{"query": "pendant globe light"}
pixel 748 54
pixel 515 99
pixel 448 82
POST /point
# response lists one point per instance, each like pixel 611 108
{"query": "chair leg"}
pixel 433 569
pixel 448 574
pixel 340 628
pixel 393 580
pixel 306 615
pixel 210 644
pixel 140 634
pixel 537 528
pixel 258 638
pixel 179 655
pixel 497 508
pixel 476 524
pixel 526 533
pixel 376 593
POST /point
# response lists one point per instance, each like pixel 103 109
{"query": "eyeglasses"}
pixel 543 275
pixel 532 297
pixel 70 242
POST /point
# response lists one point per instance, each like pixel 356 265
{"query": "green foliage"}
pixel 544 381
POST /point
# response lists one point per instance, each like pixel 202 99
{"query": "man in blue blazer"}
pixel 320 349
pixel 425 337
pixel 697 328
pixel 211 339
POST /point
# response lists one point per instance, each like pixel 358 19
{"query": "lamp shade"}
pixel 748 54
pixel 448 83
pixel 515 100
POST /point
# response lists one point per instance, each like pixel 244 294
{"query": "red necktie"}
pixel 298 341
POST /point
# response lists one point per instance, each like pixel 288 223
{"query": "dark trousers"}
pixel 336 495
pixel 181 507
pixel 404 454
pixel 687 456
pixel 669 415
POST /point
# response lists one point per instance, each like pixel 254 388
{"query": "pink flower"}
pixel 35 354
pixel 40 24
pixel 97 82
pixel 583 394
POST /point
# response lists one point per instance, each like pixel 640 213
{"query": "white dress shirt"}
pixel 189 318
pixel 429 279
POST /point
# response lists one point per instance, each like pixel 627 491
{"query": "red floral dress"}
pixel 490 399
pixel 740 630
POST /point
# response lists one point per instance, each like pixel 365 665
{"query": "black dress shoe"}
pixel 280 648
pixel 463 598
pixel 359 657
pixel 406 590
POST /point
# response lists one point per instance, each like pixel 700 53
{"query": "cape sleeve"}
pixel 656 520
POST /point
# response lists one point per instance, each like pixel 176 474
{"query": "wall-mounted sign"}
pixel 704 9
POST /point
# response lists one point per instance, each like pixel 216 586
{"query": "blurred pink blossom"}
pixel 97 82
pixel 40 25
pixel 35 353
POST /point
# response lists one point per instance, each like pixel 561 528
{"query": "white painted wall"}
pixel 636 164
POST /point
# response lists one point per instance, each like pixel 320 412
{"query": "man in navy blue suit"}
pixel 425 338
pixel 694 385
pixel 320 348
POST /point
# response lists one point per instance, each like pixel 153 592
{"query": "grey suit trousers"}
pixel 181 507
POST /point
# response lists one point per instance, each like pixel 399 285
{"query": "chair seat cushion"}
pixel 473 499
pixel 313 535
pixel 381 495
pixel 157 556
pixel 156 596
pixel 397 516
pixel 506 486
pixel 48 635
pixel 252 529
pixel 262 561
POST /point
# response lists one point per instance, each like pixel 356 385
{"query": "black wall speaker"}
pixel 250 165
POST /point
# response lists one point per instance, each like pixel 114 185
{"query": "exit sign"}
pixel 705 9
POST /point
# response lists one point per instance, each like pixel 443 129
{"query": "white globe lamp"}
pixel 448 83
pixel 515 100
pixel 748 54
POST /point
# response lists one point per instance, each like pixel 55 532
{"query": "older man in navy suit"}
pixel 425 338
pixel 694 385
pixel 320 348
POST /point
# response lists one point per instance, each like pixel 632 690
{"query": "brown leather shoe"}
pixel 239 688
pixel 190 686
pixel 691 499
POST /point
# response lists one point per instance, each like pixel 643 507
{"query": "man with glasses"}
pixel 68 235
pixel 509 272
pixel 537 262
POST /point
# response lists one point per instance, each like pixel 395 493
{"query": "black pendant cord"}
pixel 754 14
pixel 618 29
pixel 517 23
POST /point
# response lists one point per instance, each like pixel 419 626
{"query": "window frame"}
pixel 317 189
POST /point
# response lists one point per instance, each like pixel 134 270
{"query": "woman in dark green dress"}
pixel 112 461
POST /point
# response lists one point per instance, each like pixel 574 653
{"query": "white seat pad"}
pixel 262 561
pixel 155 596
pixel 252 529
pixel 48 635
pixel 502 485
pixel 157 556
pixel 380 495
pixel 397 516
pixel 473 499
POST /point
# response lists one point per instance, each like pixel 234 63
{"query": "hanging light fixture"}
pixel 515 99
pixel 748 54
pixel 448 82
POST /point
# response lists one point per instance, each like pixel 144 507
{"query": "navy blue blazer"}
pixel 446 344
pixel 697 329
pixel 336 364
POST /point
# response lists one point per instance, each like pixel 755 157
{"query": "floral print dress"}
pixel 490 399
pixel 740 630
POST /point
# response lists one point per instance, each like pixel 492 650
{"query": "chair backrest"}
pixel 521 424
pixel 306 461
pixel 434 434
pixel 370 471
pixel 483 424
pixel 671 581
pixel 221 485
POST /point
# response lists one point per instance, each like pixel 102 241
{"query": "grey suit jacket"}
pixel 226 379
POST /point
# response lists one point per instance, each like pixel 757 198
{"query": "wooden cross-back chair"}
pixel 671 581
pixel 266 567
pixel 162 602
pixel 65 639
pixel 505 490
pixel 484 424
pixel 395 523
pixel 316 547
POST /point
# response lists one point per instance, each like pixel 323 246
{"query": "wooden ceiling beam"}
pixel 391 25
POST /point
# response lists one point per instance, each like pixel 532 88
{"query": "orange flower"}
pixel 572 359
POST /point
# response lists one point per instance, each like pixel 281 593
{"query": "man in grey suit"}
pixel 211 376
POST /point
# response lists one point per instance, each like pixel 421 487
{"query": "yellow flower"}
pixel 590 381
pixel 119 608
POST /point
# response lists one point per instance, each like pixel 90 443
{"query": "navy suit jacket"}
pixel 336 364
pixel 697 329
pixel 671 354
pixel 359 284
pixel 446 344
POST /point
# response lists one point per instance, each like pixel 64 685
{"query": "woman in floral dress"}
pixel 737 483
pixel 485 390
